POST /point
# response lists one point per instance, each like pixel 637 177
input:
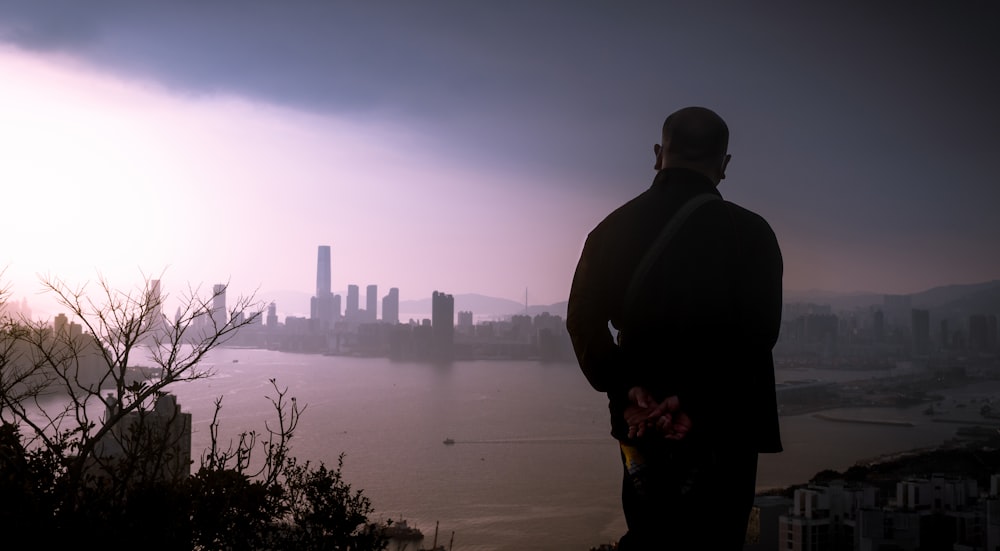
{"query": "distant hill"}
pixel 838 301
pixel 966 296
pixel 979 300
pixel 482 306
pixel 288 303
pixel 954 302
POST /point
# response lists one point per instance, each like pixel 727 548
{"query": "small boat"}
pixel 448 441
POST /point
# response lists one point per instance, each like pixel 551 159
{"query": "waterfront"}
pixel 532 466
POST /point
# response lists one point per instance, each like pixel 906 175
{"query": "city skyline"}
pixel 470 149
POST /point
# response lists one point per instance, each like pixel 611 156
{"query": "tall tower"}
pixel 390 306
pixel 371 303
pixel 272 315
pixel 321 307
pixel 219 305
pixel 921 323
pixel 156 326
pixel 443 325
pixel 323 271
pixel 351 311
pixel 156 316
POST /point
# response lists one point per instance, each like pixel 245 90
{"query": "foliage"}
pixel 324 513
pixel 123 479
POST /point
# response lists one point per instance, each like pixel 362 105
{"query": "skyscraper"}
pixel 390 307
pixel 322 306
pixel 897 312
pixel 921 323
pixel 219 317
pixel 323 271
pixel 351 311
pixel 443 324
pixel 155 325
pixel 371 303
pixel 272 315
pixel 465 325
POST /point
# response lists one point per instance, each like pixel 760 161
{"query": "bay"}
pixel 532 466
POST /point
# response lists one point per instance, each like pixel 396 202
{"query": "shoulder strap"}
pixel 656 249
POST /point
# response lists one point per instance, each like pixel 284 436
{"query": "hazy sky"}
pixel 470 146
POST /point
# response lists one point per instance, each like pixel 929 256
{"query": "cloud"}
pixel 844 117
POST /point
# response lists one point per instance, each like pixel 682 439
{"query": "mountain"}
pixel 288 303
pixel 951 303
pixel 971 298
pixel 838 301
pixel 481 306
pixel 980 299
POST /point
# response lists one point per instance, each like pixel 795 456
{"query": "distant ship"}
pixel 399 530
pixel 449 441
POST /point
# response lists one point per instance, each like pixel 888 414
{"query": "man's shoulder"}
pixel 751 230
pixel 624 217
pixel 747 218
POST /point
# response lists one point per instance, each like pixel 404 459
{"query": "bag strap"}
pixel 656 249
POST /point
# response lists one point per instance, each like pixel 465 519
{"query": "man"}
pixel 690 376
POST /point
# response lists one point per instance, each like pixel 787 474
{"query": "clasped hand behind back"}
pixel 647 417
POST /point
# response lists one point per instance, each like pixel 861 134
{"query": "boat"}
pixel 448 441
pixel 399 530
pixel 435 546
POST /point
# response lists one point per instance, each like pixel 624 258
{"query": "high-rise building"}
pixel 897 311
pixel 321 306
pixel 156 326
pixel 371 303
pixel 983 332
pixel 156 315
pixel 272 315
pixel 878 326
pixel 59 324
pixel 390 307
pixel 159 439
pixel 219 317
pixel 323 271
pixel 465 325
pixel 443 324
pixel 921 323
pixel 351 313
pixel 323 311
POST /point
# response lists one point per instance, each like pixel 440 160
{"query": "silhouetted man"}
pixel 690 376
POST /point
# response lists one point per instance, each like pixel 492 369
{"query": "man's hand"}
pixel 665 418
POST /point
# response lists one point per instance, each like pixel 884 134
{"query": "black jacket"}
pixel 705 320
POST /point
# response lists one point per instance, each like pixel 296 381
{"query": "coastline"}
pixel 889 422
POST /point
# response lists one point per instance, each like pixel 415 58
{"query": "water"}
pixel 532 467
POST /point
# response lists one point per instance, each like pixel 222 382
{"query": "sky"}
pixel 468 147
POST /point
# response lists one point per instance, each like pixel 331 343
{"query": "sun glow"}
pixel 124 179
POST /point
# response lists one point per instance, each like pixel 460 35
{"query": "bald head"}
pixel 695 138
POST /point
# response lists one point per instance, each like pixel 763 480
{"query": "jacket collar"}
pixel 684 178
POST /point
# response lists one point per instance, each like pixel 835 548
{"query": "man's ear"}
pixel 725 163
pixel 657 150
